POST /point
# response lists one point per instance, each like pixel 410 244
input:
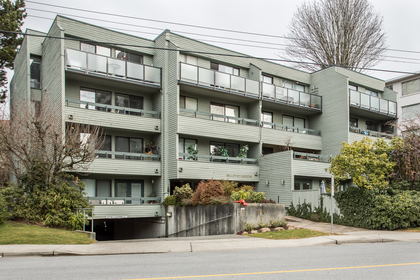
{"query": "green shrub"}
pixel 274 224
pixel 228 187
pixel 3 208
pixel 257 197
pixel 241 194
pixel 205 191
pixel 184 192
pixel 169 200
pixel 248 227
pixel 303 210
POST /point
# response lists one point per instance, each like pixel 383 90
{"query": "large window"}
pixel 371 92
pixel 129 101
pixel 267 79
pixel 106 147
pixel 371 126
pixel 128 145
pixel 352 87
pixel 95 96
pixel 188 103
pixel 225 110
pixel 353 122
pixel 35 72
pixel 296 122
pixel 219 149
pixel 128 188
pixel 225 69
pixel 412 86
pixel 129 56
pixel 267 117
pixel 303 185
pixel 188 59
pixel 410 112
pixel 95 49
pixel 293 85
pixel 183 145
pixel 103 188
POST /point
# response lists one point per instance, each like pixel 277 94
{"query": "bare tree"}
pixel 36 136
pixel 336 32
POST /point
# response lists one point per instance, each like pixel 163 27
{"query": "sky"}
pixel 260 17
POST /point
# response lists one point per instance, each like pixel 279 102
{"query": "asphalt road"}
pixel 399 260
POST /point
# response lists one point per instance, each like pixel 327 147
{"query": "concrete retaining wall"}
pixel 219 219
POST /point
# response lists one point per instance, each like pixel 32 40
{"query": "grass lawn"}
pixel 289 234
pixel 20 233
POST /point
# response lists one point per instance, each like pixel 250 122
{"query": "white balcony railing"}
pixel 219 80
pixel 291 128
pixel 372 103
pixel 90 63
pixel 127 155
pixel 291 97
pixel 211 158
pixel 217 117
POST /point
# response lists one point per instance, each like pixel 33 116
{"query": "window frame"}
pixel 356 122
pixel 129 102
pixel 293 117
pixel 95 91
pixel 183 105
pixel 224 112
pixel 263 114
pixel 404 87
pixel 301 185
pixel 216 66
pixel 127 56
pixel 264 76
pixel 225 144
pixel 185 147
pixel 129 147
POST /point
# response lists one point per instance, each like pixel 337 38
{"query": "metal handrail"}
pixel 136 156
pixel 226 118
pixel 370 107
pixel 312 157
pixel 373 133
pixel 115 109
pixel 213 158
pixel 116 201
pixel 291 128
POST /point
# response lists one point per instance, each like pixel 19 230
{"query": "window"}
pixel 224 68
pixel 225 110
pixel 188 59
pixel 188 103
pixel 90 187
pixel 129 101
pixel 352 87
pixel 353 122
pixel 410 112
pixel 303 185
pixel 267 117
pixel 391 87
pixel 267 79
pixel 103 188
pixel 35 73
pixel 296 122
pixel 95 96
pixel 128 145
pixel 106 147
pixel 95 49
pixel 293 85
pixel 371 126
pixel 370 92
pixel 218 148
pixel 129 56
pixel 128 188
pixel 412 86
pixel 267 150
pixel 183 145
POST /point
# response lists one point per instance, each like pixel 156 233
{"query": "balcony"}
pixel 216 80
pixel 366 132
pixel 112 116
pixel 311 157
pixel 112 68
pixel 121 163
pixel 206 167
pixel 217 126
pixel 291 128
pixel 123 200
pixel 372 103
pixel 291 97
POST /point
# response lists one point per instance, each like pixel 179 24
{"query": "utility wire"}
pixel 201 52
pixel 197 34
pixel 182 24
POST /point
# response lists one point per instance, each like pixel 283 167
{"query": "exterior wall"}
pixel 35 43
pixel 334 120
pixel 404 100
pixel 127 211
pixel 299 140
pixel 361 79
pixel 219 219
pixel 274 169
pixel 310 168
pixel 126 167
pixel 21 81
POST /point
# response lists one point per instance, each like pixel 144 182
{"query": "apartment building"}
pixel 160 101
pixel 408 90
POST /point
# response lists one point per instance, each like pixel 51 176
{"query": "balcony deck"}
pixel 373 104
pixel 112 116
pixel 312 165
pixel 112 68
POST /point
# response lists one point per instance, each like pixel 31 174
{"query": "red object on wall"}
pixel 242 202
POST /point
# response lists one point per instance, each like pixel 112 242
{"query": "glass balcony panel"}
pixel 281 94
pixel 189 73
pixel 116 67
pixel 238 83
pixel 305 99
pixel 135 71
pixel 383 106
pixel 374 103
pixel 293 96
pixel 253 87
pixel 206 77
pixel 268 90
pixel 152 74
pixel 354 97
pixel 97 63
pixel 76 59
pixel 392 108
pixel 316 101
pixel 223 80
pixel 364 100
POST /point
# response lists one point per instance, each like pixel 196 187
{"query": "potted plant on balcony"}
pixel 243 152
pixel 192 151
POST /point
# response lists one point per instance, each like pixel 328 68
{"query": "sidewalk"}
pixel 213 243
